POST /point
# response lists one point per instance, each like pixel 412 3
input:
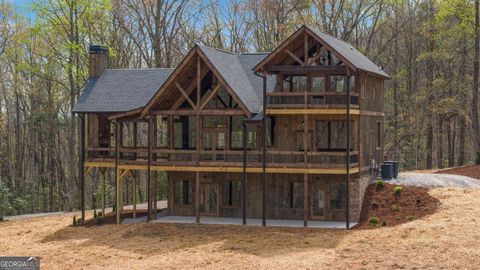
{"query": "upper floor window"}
pixel 318 84
pixel 294 84
pixel 338 83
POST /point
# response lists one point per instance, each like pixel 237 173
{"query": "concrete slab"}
pixel 253 221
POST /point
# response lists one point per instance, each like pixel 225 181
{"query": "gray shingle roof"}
pixel 121 90
pixel 236 69
pixel 355 57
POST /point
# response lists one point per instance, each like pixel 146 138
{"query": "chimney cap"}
pixel 98 49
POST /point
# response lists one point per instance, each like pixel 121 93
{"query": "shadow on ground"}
pixel 154 238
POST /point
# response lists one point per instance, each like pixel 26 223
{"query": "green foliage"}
pixel 380 183
pixel 99 220
pixel 6 207
pixel 100 214
pixel 95 213
pixel 373 221
pixel 74 220
pixel 384 223
pixel 397 190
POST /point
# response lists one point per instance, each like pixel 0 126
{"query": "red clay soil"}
pixel 470 171
pixel 391 209
pixel 110 218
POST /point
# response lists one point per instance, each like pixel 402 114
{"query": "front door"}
pixel 209 199
pixel 318 203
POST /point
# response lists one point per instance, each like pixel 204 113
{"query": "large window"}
pixel 184 132
pixel 162 131
pixel 236 139
pixel 331 135
pixel 337 197
pixel 339 84
pixel 318 84
pixel 183 192
pixel 232 193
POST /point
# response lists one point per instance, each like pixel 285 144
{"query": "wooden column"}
pixel 103 171
pixel 149 171
pixel 117 171
pixel 134 193
pixel 197 174
pixel 244 180
pixel 82 164
pixel 264 149
pixel 347 177
pixel 305 158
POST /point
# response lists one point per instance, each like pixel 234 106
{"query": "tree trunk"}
pixel 475 123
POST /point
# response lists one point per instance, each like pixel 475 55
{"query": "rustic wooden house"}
pixel 289 134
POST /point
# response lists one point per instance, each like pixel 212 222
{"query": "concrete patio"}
pixel 238 221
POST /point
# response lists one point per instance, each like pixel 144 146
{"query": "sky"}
pixel 22 7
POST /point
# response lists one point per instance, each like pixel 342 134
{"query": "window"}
pixel 337 197
pixel 183 192
pixel 236 133
pixel 332 135
pixel 251 140
pixel 232 193
pixel 214 121
pixel 339 84
pixel 184 132
pixel 318 84
pixel 271 131
pixel 162 131
pixel 296 195
pixel 379 134
pixel 299 83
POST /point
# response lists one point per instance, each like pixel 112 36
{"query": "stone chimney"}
pixel 98 60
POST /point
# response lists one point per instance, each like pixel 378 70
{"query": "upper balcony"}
pixel 313 92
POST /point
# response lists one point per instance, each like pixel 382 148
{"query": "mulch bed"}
pixel 470 171
pixel 391 209
pixel 111 218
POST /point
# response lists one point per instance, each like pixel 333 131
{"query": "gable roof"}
pixel 355 58
pixel 121 90
pixel 236 70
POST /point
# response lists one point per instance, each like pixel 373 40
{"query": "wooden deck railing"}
pixel 310 100
pixel 161 156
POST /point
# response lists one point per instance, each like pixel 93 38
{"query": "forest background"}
pixel 430 49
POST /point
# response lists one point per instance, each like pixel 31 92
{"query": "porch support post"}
pixel 103 171
pixel 244 180
pixel 305 155
pixel 149 171
pixel 264 149
pixel 134 193
pixel 117 171
pixel 347 153
pixel 197 197
pixel 197 173
pixel 82 164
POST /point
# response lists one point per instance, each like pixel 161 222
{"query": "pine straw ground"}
pixel 446 239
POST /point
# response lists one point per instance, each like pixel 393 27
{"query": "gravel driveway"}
pixel 436 180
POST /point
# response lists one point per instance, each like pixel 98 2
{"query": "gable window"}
pixel 183 192
pixel 232 195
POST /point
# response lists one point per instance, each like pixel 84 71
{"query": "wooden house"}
pixel 289 134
